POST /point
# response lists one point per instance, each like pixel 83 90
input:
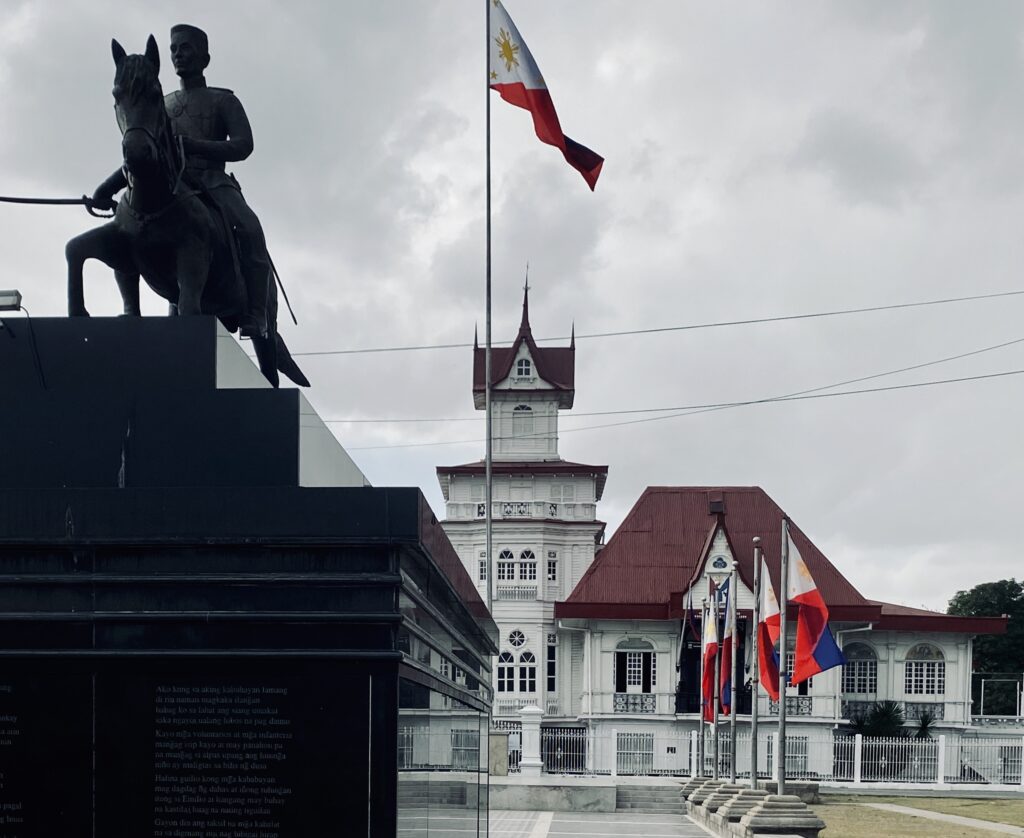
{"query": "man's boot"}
pixel 256 272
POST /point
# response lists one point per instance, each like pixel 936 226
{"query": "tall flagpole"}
pixel 783 645
pixel 755 669
pixel 718 676
pixel 733 703
pixel 755 662
pixel 488 455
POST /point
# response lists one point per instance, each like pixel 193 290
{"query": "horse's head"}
pixel 139 105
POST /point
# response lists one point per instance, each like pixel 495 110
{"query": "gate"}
pixel 564 750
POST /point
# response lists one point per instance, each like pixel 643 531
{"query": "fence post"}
pixel 530 762
pixel 694 768
pixel 942 760
pixel 615 752
pixel 775 757
pixel 858 745
pixel 1022 761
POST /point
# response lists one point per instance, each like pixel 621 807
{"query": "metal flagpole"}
pixel 718 675
pixel 755 667
pixel 488 512
pixel 700 685
pixel 733 703
pixel 783 645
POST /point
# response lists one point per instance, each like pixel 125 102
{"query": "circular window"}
pixel 517 638
pixel 719 563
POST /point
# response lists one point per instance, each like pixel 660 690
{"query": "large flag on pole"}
pixel 514 74
pixel 725 670
pixel 709 633
pixel 768 635
pixel 816 649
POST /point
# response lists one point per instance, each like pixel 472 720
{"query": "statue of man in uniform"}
pixel 214 130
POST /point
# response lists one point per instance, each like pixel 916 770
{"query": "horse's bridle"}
pixel 160 153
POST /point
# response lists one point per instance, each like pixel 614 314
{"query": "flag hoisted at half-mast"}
pixel 514 74
pixel 768 635
pixel 816 649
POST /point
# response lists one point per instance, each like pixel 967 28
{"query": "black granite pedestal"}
pixel 191 642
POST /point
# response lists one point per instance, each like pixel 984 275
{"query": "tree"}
pixel 1001 654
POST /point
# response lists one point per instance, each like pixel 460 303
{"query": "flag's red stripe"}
pixel 545 122
pixel 769 671
pixel 708 684
pixel 812 620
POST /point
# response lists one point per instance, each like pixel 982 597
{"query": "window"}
pixel 565 492
pixel 483 570
pixel 506 566
pixel 522 420
pixel 516 638
pixel 635 666
pixel 528 566
pixel 803 686
pixel 925 671
pixel 552 685
pixel 506 673
pixel 523 367
pixel 860 672
pixel 527 673
pixel 552 570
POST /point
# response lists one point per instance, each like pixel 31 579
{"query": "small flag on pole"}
pixel 725 679
pixel 768 635
pixel 514 74
pixel 710 646
pixel 816 649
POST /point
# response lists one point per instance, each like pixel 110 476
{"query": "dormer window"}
pixel 524 368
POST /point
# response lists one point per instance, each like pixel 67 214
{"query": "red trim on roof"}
pixel 903 618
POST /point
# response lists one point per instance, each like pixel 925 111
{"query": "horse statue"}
pixel 163 230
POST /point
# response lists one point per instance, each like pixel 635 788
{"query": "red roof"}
pixel 902 618
pixel 661 545
pixel 555 365
pixel 514 467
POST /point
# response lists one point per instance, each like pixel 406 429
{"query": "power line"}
pixel 689 411
pixel 683 328
pixel 669 409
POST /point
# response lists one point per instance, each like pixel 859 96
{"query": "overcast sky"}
pixel 762 160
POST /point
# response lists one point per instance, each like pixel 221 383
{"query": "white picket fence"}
pixel 820 757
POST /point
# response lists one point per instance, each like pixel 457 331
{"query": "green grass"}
pixel 997 810
pixel 852 821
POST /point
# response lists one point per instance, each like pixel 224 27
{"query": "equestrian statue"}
pixel 183 224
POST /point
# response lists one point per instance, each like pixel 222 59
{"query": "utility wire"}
pixel 685 407
pixel 682 328
pixel 726 405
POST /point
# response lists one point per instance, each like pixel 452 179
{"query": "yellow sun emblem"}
pixel 507 50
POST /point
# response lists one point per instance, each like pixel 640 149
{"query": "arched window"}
pixel 636 666
pixel 527 673
pixel 860 672
pixel 925 671
pixel 506 673
pixel 522 420
pixel 523 367
pixel 528 566
pixel 506 566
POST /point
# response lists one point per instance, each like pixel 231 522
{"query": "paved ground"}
pixel 508 824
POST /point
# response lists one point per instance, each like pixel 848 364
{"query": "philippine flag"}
pixel 725 680
pixel 514 74
pixel 710 644
pixel 768 635
pixel 816 649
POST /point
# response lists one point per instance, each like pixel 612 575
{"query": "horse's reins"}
pixel 85 201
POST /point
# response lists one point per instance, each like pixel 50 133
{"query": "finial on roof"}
pixel 524 324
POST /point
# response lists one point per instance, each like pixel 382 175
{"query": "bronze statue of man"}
pixel 214 130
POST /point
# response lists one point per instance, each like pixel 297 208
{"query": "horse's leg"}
pixel 128 285
pixel 105 243
pixel 193 267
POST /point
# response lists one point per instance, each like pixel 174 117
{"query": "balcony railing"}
pixel 511 706
pixel 516 593
pixel 635 703
pixel 507 510
pixel 796 705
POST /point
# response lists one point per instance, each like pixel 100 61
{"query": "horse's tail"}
pixel 286 363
